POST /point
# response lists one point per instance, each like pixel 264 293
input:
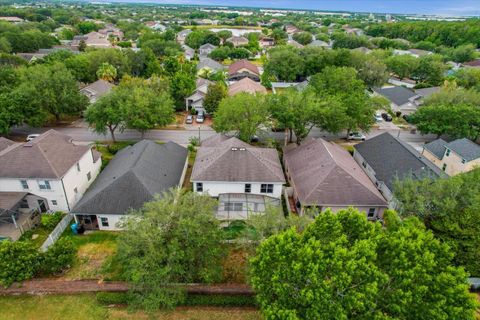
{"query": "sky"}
pixel 439 7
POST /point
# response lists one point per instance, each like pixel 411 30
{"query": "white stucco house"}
pixel 244 178
pixel 50 166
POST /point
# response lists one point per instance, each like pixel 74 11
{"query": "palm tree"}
pixel 107 72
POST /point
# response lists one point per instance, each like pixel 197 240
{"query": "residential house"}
pixel 210 64
pixel 294 43
pixel 19 212
pixel 425 93
pixel 266 42
pixel 195 100
pixel 50 166
pixel 324 175
pixel 320 44
pixel 182 35
pixel 401 99
pixel 417 53
pixel 14 20
pixel 405 82
pixel 472 64
pixel 246 85
pixel 238 41
pixel 111 31
pixel 134 176
pixel 364 50
pixel 93 39
pixel 354 31
pixel 244 178
pixel 31 57
pixel 385 158
pixel 279 86
pixel 189 53
pixel 454 157
pixel 243 69
pixel 206 49
pixel 291 29
pixel 155 25
pixel 96 90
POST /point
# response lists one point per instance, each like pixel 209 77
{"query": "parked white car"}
pixel 356 136
pixel 378 117
pixel 30 137
pixel 200 117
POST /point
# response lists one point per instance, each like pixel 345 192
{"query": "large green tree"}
pixel 450 208
pixel 216 92
pixel 402 65
pixel 345 267
pixel 243 114
pixel 173 240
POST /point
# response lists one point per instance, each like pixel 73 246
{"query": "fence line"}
pixel 57 232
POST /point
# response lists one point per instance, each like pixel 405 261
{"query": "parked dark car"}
pixel 386 117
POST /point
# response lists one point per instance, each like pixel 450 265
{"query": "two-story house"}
pixel 206 49
pixel 50 166
pixel 244 178
pixel 454 157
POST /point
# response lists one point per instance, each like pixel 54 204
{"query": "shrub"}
pixel 50 221
pixel 58 257
pixel 219 300
pixel 112 298
pixel 18 261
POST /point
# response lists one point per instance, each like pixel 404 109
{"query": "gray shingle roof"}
pixel 209 63
pixel 427 92
pixel 465 148
pixel 48 156
pixel 98 88
pixel 324 173
pixel 229 159
pixel 133 177
pixel 390 157
pixel 397 95
pixel 436 147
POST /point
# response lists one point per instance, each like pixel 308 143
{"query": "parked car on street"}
pixel 387 117
pixel 30 137
pixel 189 119
pixel 356 136
pixel 200 117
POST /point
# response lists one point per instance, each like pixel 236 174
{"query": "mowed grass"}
pixel 95 253
pixel 80 307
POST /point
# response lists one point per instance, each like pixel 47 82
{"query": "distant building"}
pixel 13 20
pixel 246 85
pixel 454 157
pixel 93 39
pixel 96 90
pixel 155 25
pixel 238 41
pixel 243 69
pixel 206 49
pixel 182 35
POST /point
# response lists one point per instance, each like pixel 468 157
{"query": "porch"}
pixel 238 206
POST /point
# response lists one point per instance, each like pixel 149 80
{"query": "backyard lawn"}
pixel 81 307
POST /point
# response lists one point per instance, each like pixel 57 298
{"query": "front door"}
pixel 42 206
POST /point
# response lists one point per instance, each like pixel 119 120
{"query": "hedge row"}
pixel 107 298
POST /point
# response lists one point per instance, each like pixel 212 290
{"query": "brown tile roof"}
pixel 473 63
pixel 323 173
pixel 243 64
pixel 5 143
pixel 228 159
pixel 246 85
pixel 48 156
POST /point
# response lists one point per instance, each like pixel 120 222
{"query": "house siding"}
pixel 215 188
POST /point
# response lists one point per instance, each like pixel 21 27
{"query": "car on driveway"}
pixel 356 136
pixel 200 117
pixel 387 117
pixel 189 119
pixel 378 117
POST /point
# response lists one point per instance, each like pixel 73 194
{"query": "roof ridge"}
pixel 319 182
pixel 48 161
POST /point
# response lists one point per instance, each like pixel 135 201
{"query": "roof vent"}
pixel 234 149
pixel 242 149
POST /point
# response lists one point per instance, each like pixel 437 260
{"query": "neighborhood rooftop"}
pixel 390 158
pixel 133 177
pixel 397 94
pixel 323 173
pixel 50 155
pixel 230 159
pixel 465 148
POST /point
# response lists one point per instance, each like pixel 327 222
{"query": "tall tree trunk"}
pixel 112 133
pixel 291 136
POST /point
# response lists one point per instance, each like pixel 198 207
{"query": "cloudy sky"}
pixel 444 7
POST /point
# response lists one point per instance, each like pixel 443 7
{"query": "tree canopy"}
pixel 345 267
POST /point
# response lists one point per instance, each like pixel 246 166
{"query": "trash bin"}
pixel 74 228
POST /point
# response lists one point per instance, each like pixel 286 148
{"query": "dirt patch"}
pixel 235 266
pixel 90 260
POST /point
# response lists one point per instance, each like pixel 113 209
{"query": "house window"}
pixel 44 185
pixel 104 221
pixel 24 184
pixel 447 153
pixel 364 164
pixel 248 188
pixel 199 187
pixel 78 166
pixel 463 161
pixel 75 190
pixel 24 204
pixel 444 167
pixel 233 206
pixel 54 202
pixel 266 188
pixel 89 176
pixel 371 212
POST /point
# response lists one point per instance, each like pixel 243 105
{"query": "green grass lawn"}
pixel 39 234
pixel 80 307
